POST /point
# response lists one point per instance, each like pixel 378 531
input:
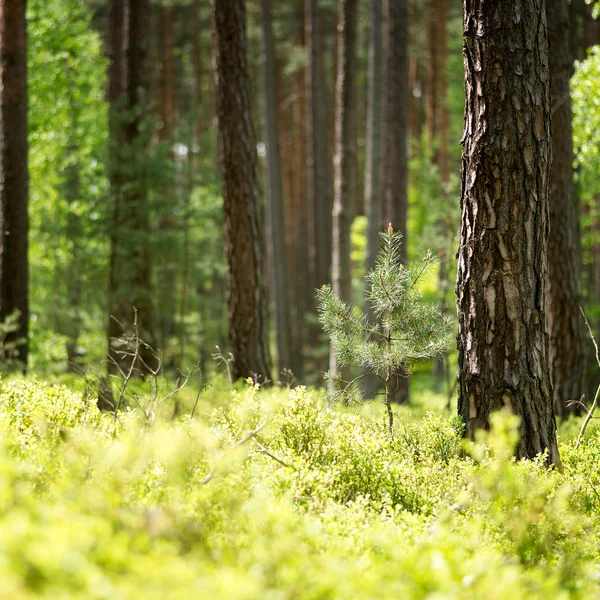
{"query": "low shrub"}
pixel 280 496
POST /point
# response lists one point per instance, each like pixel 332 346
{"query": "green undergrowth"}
pixel 277 495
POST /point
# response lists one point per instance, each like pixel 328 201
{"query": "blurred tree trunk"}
pixel 73 277
pixel 299 213
pixel 14 218
pixel 319 188
pixel 246 291
pixel 345 160
pixel 433 52
pixel 417 70
pixel 198 67
pixel 274 188
pixel 584 30
pixel 567 332
pixel 198 125
pixel 396 136
pixel 373 162
pixel 116 20
pixel 373 158
pixel 442 158
pixel 503 260
pixel 285 117
pixel 166 225
pixel 131 269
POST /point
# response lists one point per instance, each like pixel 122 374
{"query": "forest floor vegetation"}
pixel 276 494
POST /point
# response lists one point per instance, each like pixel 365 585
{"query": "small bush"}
pixel 280 495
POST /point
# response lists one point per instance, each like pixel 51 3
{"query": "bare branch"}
pixel 239 443
pixel 591 335
pixel 264 450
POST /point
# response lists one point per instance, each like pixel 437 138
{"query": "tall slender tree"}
pixel 246 294
pixel 396 134
pixel 14 219
pixel 433 54
pixel 373 162
pixel 502 264
pixel 130 278
pixel 275 219
pixel 167 96
pixel 115 24
pixel 440 135
pixel 72 194
pixel 318 158
pixel 303 291
pixel 567 333
pixel 345 159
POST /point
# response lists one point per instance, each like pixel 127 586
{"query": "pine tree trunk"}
pixel 246 293
pixel 567 333
pixel 345 160
pixel 373 159
pixel 197 63
pixel 135 264
pixel 130 270
pixel 396 136
pixel 433 69
pixel 72 194
pixel 198 126
pixel 284 114
pixel 115 35
pixel 303 293
pixel 444 112
pixel 14 219
pixel 443 162
pixel 503 259
pixel 166 225
pixel 318 158
pixel 274 188
pixel 373 162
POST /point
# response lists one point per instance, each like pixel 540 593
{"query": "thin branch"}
pixel 384 287
pixel 588 418
pixel 239 443
pixel 426 263
pixel 590 413
pixel 264 450
pixel 349 383
pixel 591 335
pixel 358 324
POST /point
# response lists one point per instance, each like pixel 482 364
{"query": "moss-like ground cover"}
pixel 281 496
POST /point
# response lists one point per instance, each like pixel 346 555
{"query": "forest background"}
pixel 190 174
pixel 125 201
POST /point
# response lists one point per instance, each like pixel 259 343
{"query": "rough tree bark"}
pixel 502 261
pixel 567 329
pixel 246 293
pixel 345 160
pixel 396 135
pixel 274 189
pixel 14 219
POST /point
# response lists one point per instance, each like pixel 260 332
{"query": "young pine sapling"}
pixel 405 330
